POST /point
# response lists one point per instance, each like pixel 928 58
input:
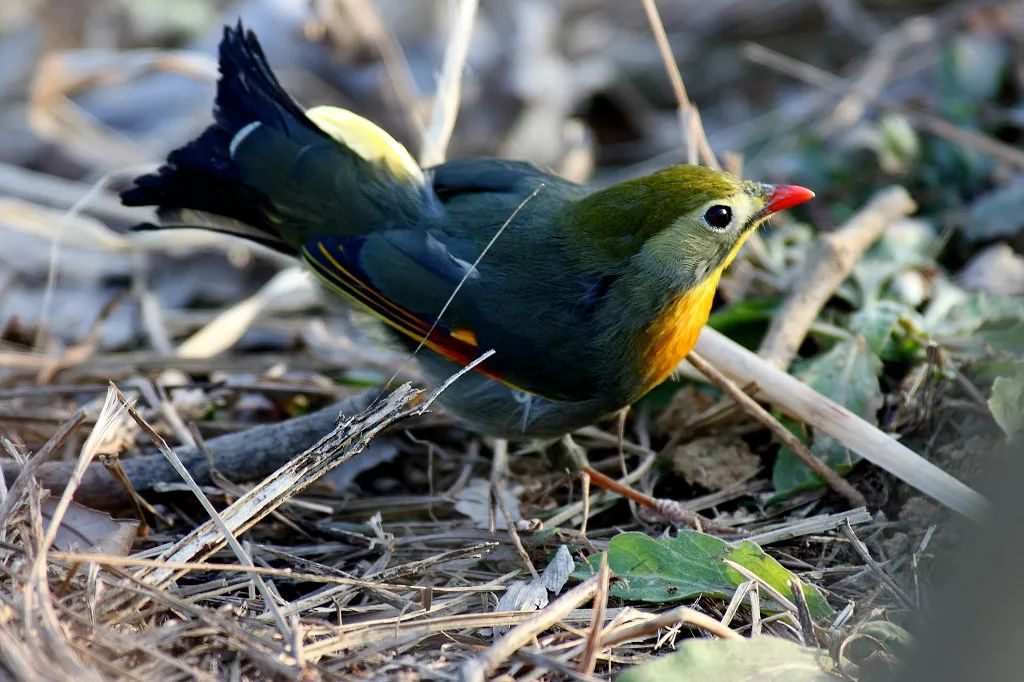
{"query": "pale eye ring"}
pixel 718 216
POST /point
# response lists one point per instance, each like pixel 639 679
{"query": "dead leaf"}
pixel 88 530
pixel 475 499
pixel 997 269
pixel 686 402
pixel 715 462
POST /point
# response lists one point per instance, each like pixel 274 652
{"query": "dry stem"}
pixel 805 404
pixel 834 480
pixel 827 266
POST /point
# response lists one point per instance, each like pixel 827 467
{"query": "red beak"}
pixel 787 196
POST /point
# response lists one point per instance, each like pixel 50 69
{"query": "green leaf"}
pixel 877 321
pixel 898 144
pixel 691 564
pixel 999 213
pixel 764 659
pixel 744 321
pixel 974 323
pixel 907 245
pixel 848 374
pixel 742 313
pixel 1007 403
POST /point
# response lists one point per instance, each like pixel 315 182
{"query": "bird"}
pixel 588 298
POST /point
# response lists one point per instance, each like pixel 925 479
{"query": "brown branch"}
pixel 694 138
pixel 828 264
pixel 680 615
pixel 797 399
pixel 243 456
pixel 834 480
pixel 481 666
pixel 930 123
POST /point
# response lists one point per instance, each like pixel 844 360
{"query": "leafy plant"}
pixel 737 660
pixel 693 564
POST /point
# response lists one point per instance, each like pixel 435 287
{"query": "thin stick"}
pixel 828 264
pixel 588 659
pixel 694 138
pixel 245 455
pixel 834 480
pixel 94 191
pixel 498 467
pixel 928 122
pixel 760 582
pixel 680 615
pixel 803 612
pixel 887 581
pixel 28 471
pixel 229 537
pixel 481 666
pixel 283 573
pixel 802 402
pixel 449 87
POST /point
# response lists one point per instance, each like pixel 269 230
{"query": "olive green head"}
pixel 682 222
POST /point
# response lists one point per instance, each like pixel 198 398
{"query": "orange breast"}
pixel 667 340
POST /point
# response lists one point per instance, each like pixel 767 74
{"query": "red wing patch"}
pixel 328 261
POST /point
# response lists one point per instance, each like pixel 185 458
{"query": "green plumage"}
pixel 566 295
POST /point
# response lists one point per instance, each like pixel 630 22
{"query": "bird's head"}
pixel 682 222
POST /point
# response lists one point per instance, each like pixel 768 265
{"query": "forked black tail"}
pixel 202 176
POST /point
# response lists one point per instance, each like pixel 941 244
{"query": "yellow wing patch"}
pixel 368 140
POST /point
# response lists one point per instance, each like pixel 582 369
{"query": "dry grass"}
pixel 378 545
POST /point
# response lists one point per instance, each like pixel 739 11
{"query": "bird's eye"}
pixel 718 217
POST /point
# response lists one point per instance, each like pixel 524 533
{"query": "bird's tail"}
pixel 266 169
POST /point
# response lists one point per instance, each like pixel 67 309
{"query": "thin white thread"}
pixel 462 281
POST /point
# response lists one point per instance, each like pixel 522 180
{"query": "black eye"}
pixel 718 217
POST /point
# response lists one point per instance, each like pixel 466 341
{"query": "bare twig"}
pixel 803 612
pixel 815 525
pixel 802 402
pixel 928 122
pixel 864 553
pixel 51 190
pixel 347 439
pixel 28 471
pixel 449 87
pixel 588 659
pixel 828 264
pixel 229 537
pixel 831 478
pixel 499 467
pixel 479 667
pixel 680 615
pixel 243 456
pixel 694 138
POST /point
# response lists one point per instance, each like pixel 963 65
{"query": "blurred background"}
pixel 843 96
pixel 90 88
pixel 840 95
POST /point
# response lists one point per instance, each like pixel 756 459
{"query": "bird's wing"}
pixel 513 179
pixel 407 274
pixel 404 277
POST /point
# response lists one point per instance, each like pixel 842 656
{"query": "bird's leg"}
pixel 576 455
pixel 669 509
